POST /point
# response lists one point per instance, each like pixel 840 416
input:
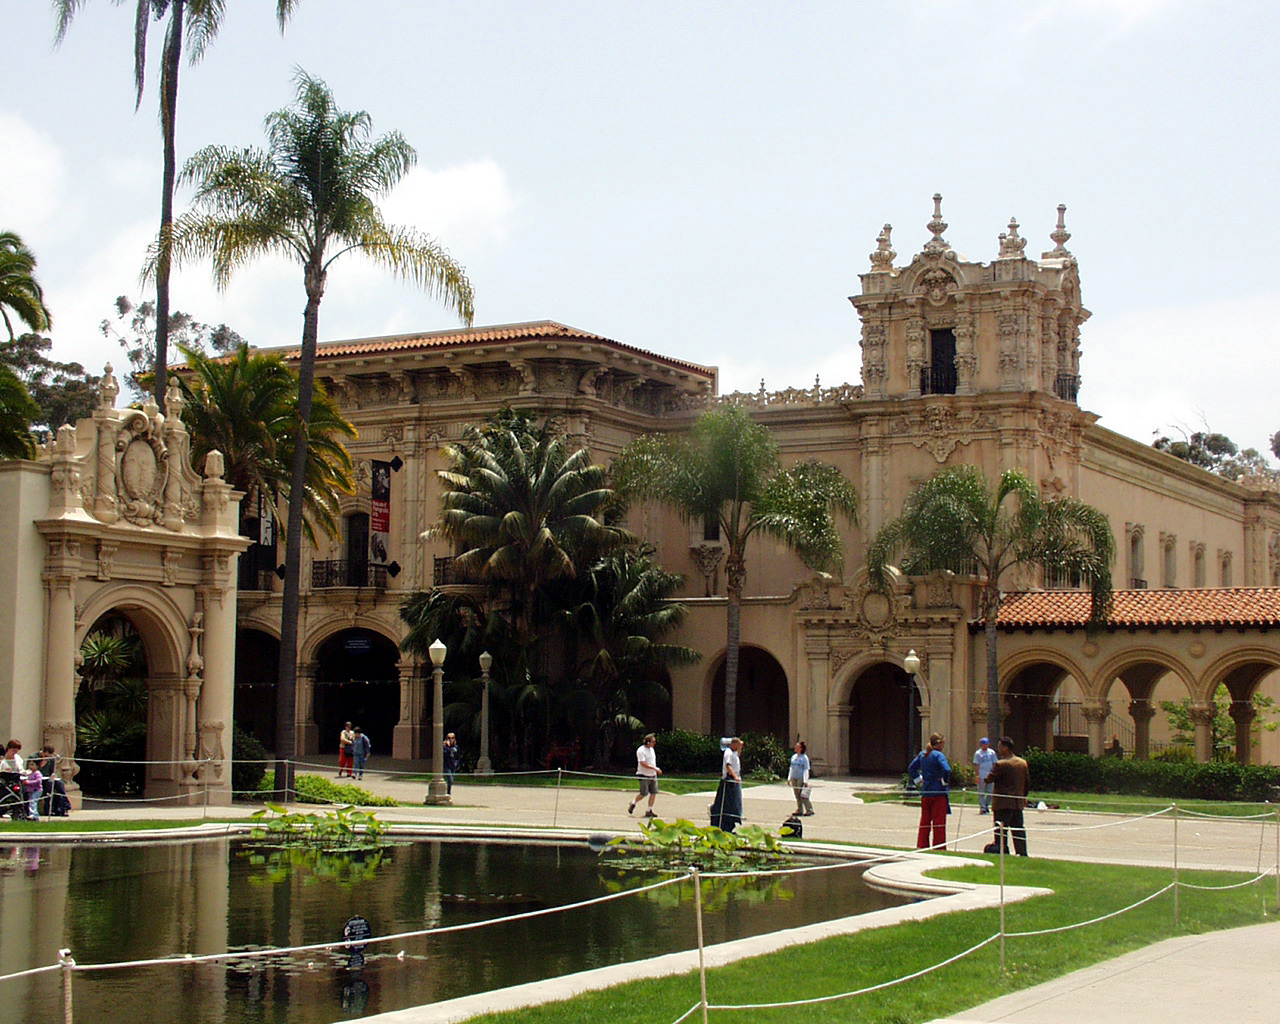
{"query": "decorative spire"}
pixel 1012 244
pixel 937 225
pixel 108 389
pixel 882 258
pixel 1060 234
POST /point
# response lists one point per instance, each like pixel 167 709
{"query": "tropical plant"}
pixel 111 709
pixel 343 845
pixel 245 405
pixel 727 473
pixel 682 844
pixel 194 23
pixel 954 521
pixel 20 293
pixel 310 195
pixel 17 412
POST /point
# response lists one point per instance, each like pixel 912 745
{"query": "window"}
pixel 1224 560
pixel 1199 565
pixel 711 529
pixel 938 376
pixel 357 531
pixel 1137 568
pixel 1169 549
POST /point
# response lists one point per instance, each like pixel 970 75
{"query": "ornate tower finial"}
pixel 108 389
pixel 937 225
pixel 882 258
pixel 1060 234
pixel 1012 244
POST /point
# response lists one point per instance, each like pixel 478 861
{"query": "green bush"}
pixel 1171 778
pixel 315 789
pixel 963 774
pixel 1176 752
pixel 764 757
pixel 688 753
pixel 248 761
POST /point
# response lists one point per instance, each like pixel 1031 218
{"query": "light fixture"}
pixel 438 650
pixel 911 663
pixel 486 661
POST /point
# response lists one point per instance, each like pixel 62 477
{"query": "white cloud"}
pixel 464 206
pixel 32 175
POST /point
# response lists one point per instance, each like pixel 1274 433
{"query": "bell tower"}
pixel 946 325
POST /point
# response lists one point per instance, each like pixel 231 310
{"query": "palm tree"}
pixel 20 293
pixel 17 412
pixel 954 521
pixel 197 23
pixel 310 194
pixel 245 405
pixel 727 474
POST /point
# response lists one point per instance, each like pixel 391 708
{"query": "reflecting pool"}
pixel 112 903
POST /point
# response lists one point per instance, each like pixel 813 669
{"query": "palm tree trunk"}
pixel 735 576
pixel 994 717
pixel 287 681
pixel 168 126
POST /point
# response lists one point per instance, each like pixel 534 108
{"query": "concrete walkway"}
pixel 1201 979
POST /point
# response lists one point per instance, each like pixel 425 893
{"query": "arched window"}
pixel 1224 560
pixel 1169 549
pixel 1199 565
pixel 1137 569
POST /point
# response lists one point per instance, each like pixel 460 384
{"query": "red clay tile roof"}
pixel 1146 609
pixel 479 336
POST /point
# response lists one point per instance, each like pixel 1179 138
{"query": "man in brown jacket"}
pixel 1012 780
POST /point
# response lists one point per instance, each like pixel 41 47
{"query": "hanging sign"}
pixel 380 514
pixel 266 521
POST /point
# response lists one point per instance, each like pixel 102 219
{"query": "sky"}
pixel 706 180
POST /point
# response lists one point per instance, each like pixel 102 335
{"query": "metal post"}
pixel 484 766
pixel 1175 865
pixel 697 915
pixel 437 791
pixel 68 965
pixel 555 814
pixel 1278 859
pixel 1004 841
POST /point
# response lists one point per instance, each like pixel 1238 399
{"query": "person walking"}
pixel 345 740
pixel 934 769
pixel 452 761
pixel 361 748
pixel 983 758
pixel 647 772
pixel 798 776
pixel 726 808
pixel 1012 779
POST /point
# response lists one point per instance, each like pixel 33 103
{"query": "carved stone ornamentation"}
pixel 882 258
pixel 105 553
pixel 171 562
pixel 1012 244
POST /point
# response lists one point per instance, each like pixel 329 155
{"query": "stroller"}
pixel 13 797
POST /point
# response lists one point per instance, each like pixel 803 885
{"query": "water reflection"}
pixel 125 902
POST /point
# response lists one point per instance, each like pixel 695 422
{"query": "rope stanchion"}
pixel 68 965
pixel 702 962
pixel 1175 864
pixel 555 812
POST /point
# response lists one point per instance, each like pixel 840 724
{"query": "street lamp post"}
pixel 437 792
pixel 911 665
pixel 484 766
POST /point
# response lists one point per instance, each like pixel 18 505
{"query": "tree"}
pixel 726 473
pixel 20 293
pixel 311 195
pixel 1222 730
pixel 63 392
pixel 197 23
pixel 954 521
pixel 245 405
pixel 1217 453
pixel 17 411
pixel 134 330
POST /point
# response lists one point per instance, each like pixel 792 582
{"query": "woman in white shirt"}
pixel 726 809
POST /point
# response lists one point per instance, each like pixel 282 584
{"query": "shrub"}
pixel 315 789
pixel 248 761
pixel 682 751
pixel 1164 777
pixel 764 757
pixel 963 773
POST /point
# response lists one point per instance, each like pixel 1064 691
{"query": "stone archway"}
pixel 257 665
pixel 884 720
pixel 764 696
pixel 357 680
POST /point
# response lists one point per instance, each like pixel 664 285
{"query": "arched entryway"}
pixel 357 681
pixel 111 708
pixel 764 703
pixel 884 721
pixel 257 665
pixel 1044 709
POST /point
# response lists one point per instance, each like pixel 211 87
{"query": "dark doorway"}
pixel 763 697
pixel 357 550
pixel 257 664
pixel 884 722
pixel 358 681
pixel 939 377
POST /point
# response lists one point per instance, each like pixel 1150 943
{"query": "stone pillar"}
pixel 1096 712
pixel 61 654
pixel 1243 713
pixel 978 726
pixel 1202 715
pixel 166 722
pixel 305 727
pixel 1141 712
pixel 838 738
pixel 217 691
pixel 813 699
pixel 409 740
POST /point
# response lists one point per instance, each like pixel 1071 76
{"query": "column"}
pixel 60 657
pixel 305 727
pixel 1243 713
pixel 838 738
pixel 409 741
pixel 1096 712
pixel 1141 712
pixel 1202 715
pixel 217 689
pixel 813 699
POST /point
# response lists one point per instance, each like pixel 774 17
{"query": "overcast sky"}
pixel 705 180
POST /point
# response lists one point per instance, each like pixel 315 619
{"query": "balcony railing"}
pixel 1137 583
pixel 1067 386
pixel 445 573
pixel 938 380
pixel 340 572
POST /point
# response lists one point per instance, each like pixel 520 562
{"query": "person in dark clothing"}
pixel 452 761
pixel 1012 780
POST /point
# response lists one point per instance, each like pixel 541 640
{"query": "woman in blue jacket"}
pixel 934 769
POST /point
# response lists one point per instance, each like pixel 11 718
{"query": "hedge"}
pixel 1215 780
pixel 691 753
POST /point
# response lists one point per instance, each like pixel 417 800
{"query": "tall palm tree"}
pixel 245 405
pixel 195 22
pixel 727 473
pixel 956 521
pixel 310 195
pixel 20 293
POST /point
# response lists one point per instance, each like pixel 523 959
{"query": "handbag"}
pixel 806 792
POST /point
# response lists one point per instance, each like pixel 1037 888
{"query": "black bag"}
pixel 792 828
pixel 991 848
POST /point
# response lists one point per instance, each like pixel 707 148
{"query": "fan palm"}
pixel 955 521
pixel 245 405
pixel 727 473
pixel 20 293
pixel 309 195
pixel 195 22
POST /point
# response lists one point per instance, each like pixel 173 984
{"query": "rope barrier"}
pixel 29 971
pixel 1085 924
pixel 1234 885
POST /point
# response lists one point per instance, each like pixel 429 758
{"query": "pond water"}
pixel 111 903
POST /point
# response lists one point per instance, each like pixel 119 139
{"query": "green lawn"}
pixel 1110 803
pixel 624 783
pixel 1081 892
pixel 75 823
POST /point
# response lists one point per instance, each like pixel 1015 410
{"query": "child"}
pixel 33 786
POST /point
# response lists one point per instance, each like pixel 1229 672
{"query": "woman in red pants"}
pixel 934 770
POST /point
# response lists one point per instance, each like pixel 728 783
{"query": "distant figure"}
pixel 1012 779
pixel 647 772
pixel 345 739
pixel 1114 749
pixel 983 758
pixel 934 769
pixel 798 777
pixel 361 748
pixel 726 808
pixel 452 761
pixel 55 790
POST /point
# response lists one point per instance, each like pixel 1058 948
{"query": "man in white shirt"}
pixel 983 759
pixel 647 771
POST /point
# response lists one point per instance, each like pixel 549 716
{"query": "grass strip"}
pixel 621 783
pixel 1081 892
pixel 32 830
pixel 1103 803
